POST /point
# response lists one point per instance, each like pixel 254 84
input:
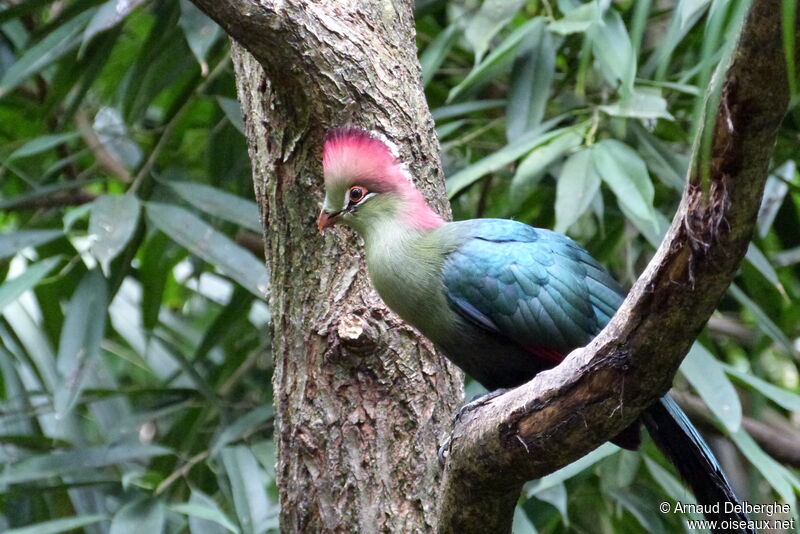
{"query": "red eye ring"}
pixel 357 193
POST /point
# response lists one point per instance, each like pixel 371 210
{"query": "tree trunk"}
pixel 362 401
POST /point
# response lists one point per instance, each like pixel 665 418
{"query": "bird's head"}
pixel 365 185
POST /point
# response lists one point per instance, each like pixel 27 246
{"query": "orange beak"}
pixel 325 220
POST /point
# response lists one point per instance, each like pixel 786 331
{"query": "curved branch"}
pixel 602 388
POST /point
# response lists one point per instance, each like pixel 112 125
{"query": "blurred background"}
pixel 135 369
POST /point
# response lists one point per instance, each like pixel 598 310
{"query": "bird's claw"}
pixel 477 402
pixel 444 449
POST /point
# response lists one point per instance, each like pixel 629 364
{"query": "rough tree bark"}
pixel 361 400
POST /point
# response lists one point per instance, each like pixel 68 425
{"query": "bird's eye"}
pixel 357 194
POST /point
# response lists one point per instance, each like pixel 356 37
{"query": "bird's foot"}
pixel 444 449
pixel 478 401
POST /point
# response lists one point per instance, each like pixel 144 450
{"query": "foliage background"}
pixel 134 348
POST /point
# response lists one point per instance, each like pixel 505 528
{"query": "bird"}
pixel 501 299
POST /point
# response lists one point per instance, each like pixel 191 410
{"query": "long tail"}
pixel 679 440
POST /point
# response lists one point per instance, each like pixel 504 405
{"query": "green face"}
pixel 356 207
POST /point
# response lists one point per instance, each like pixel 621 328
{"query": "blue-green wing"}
pixel 536 287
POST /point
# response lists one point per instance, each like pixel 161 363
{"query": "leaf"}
pixel 431 59
pixel 219 203
pixel 641 103
pixel 618 471
pixel 639 508
pixel 757 259
pixel 143 515
pixel 13 242
pixel 612 47
pixel 463 108
pixel 200 31
pixel 531 79
pixel 61 40
pixel 113 135
pixel 577 185
pixel 671 486
pixel 576 20
pixel 774 194
pixel 778 477
pixel 81 335
pixel 56 526
pixel 496 160
pixel 203 507
pixel 626 174
pixel 249 496
pixel 670 167
pixel 60 463
pixel 762 319
pixel 531 169
pixel 112 223
pixel 41 144
pixel 707 377
pixel 490 18
pixel 215 248
pixel 107 16
pixel 11 290
pixel 522 523
pixel 784 398
pixel 232 110
pixel 570 470
pixel 557 497
pixel 242 426
pixel 487 70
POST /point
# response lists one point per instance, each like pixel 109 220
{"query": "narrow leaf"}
pixel 200 31
pixel 107 16
pixel 249 496
pixel 577 185
pixel 762 320
pixel 144 515
pixel 80 339
pixel 11 290
pixel 490 18
pixel 786 399
pixel 431 59
pixel 56 526
pixel 41 144
pixel 707 377
pixel 215 248
pixel 219 203
pixel 13 242
pixel 531 169
pixel 112 222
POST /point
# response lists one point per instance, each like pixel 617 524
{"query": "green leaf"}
pixel 577 185
pixel 557 497
pixel 531 79
pixel 431 59
pixel 786 399
pixel 531 169
pixel 107 16
pixel 112 223
pixel 612 47
pixel 60 463
pixel 205 242
pixel 641 103
pixel 707 377
pixel 488 69
pixel 41 144
pixel 144 515
pixel 201 506
pixel 671 486
pixel 200 31
pixel 757 259
pixel 509 153
pixel 670 167
pixel 80 339
pixel 775 191
pixel 463 108
pixel 491 17
pixel 56 526
pixel 232 110
pixel 11 290
pixel 626 174
pixel 61 40
pixel 762 320
pixel 576 20
pixel 249 496
pixel 113 135
pixel 13 242
pixel 640 508
pixel 242 426
pixel 778 476
pixel 570 470
pixel 219 203
pixel 522 523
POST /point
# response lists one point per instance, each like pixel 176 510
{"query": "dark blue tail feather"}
pixel 680 441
